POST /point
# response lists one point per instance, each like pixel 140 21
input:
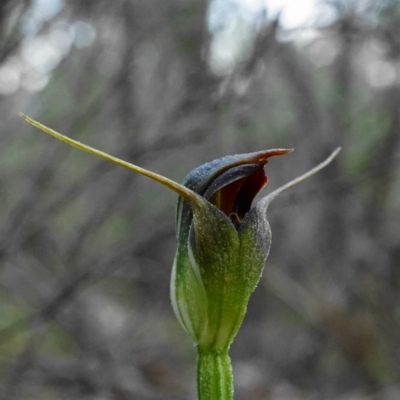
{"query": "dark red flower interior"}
pixel 235 198
pixel 230 183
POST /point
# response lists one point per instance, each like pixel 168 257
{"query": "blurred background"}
pixel 86 248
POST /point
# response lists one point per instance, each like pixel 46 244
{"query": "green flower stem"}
pixel 214 375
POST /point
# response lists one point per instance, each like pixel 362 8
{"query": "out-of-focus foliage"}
pixel 86 248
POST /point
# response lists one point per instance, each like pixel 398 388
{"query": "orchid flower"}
pixel 223 244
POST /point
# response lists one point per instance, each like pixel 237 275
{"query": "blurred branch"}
pixel 68 284
pixel 11 40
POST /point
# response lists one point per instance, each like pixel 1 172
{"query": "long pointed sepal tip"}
pixel 267 199
pixel 181 190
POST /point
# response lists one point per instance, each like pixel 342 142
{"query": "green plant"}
pixel 223 244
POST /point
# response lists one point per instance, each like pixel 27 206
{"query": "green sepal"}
pixel 211 287
pixel 215 250
pixel 188 296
